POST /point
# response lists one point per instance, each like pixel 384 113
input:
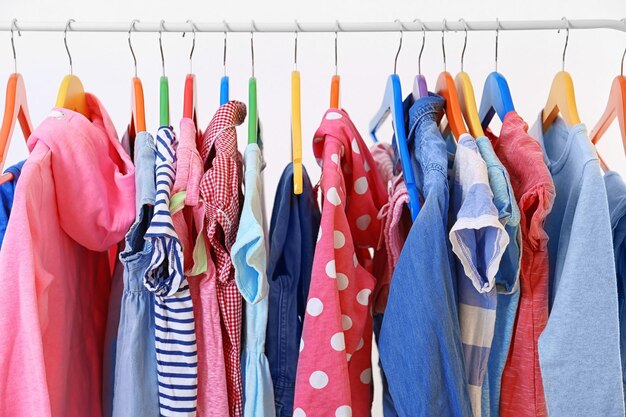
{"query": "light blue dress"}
pixel 249 255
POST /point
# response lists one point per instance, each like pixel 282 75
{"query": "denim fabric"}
pixel 420 341
pixel 616 192
pixel 7 190
pixel 135 386
pixel 507 278
pixel 249 256
pixel 579 348
pixel 293 232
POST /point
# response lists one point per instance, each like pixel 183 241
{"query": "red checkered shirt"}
pixel 220 188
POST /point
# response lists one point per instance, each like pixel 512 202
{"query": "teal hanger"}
pixel 164 89
pixel 496 98
pixel 253 117
pixel 224 84
pixel 392 104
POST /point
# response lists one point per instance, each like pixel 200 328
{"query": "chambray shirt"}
pixel 420 340
pixel 507 277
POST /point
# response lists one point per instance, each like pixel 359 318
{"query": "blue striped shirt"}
pixel 175 338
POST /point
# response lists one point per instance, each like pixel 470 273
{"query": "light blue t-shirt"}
pixel 249 255
pixel 579 350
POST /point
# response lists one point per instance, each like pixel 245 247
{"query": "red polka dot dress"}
pixel 334 367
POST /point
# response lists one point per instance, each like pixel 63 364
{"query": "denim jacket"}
pixel 420 342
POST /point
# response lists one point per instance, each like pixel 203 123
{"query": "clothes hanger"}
pixel 615 108
pixel 561 98
pixel 467 100
pixel 224 84
pixel 296 120
pixel 253 116
pixel 392 103
pixel 71 94
pixel 164 88
pixel 420 88
pixel 15 109
pixel 447 89
pixel 138 111
pixel 496 98
pixel 335 81
pixel 189 99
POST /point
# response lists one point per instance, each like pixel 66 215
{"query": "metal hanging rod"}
pixel 437 26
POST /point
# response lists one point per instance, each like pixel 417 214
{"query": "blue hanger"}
pixel 392 103
pixel 496 96
pixel 224 81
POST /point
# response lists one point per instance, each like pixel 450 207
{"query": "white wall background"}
pixel 529 60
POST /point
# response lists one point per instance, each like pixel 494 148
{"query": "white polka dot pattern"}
pixel 318 379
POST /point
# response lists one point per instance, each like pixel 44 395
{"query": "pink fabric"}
pixel 75 199
pixel 220 189
pixel 334 368
pixel 189 224
pixel 396 220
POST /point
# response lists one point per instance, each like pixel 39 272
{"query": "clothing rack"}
pixel 329 27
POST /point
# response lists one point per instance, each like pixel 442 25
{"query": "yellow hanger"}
pixel 561 98
pixel 71 94
pixel 467 100
pixel 296 122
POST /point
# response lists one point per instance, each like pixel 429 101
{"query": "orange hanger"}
pixel 189 101
pixel 334 83
pixel 615 108
pixel 138 110
pixel 446 88
pixel 467 100
pixel 15 109
pixel 71 94
pixel 561 98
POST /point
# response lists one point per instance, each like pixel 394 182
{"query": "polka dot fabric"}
pixel 334 368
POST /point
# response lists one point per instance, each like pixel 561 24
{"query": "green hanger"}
pixel 164 96
pixel 253 117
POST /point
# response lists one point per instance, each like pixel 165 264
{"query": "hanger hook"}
pixel 567 25
pixel 443 42
pixel 395 61
pixel 193 43
pixel 130 45
pixel 623 55
pixel 67 27
pixel 295 45
pixel 254 29
pixel 161 29
pixel 497 39
pixel 465 27
pixel 19 33
pixel 338 29
pixel 419 59
pixel 226 30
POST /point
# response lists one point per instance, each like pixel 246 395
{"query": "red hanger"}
pixel 189 100
pixel 615 108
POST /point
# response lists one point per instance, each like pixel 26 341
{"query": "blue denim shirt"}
pixel 420 342
pixel 293 233
pixel 7 191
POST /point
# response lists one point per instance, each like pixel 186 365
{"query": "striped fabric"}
pixel 175 338
pixel 479 240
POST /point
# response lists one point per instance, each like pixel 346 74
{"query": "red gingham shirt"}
pixel 220 188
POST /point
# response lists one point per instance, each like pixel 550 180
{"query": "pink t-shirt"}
pixel 75 199
pixel 188 217
pixel 334 368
